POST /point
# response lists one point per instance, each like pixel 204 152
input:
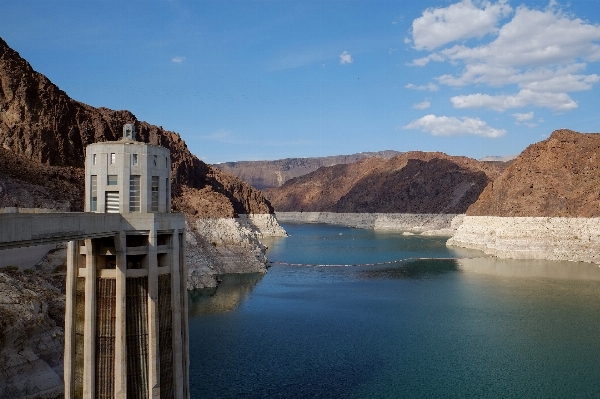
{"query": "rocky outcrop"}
pixel 426 224
pixel 414 182
pixel 268 174
pixel 31 334
pixel 545 205
pixel 557 177
pixel 226 245
pixel 552 238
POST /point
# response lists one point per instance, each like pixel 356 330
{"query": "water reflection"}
pixel 531 268
pixel 232 290
pixel 421 268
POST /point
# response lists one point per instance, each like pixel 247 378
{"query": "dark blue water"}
pixel 439 328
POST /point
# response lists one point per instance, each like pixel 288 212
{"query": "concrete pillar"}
pixel 71 293
pixel 153 353
pixel 120 317
pixel 184 314
pixel 177 319
pixel 89 329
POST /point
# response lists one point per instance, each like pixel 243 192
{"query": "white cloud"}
pixel 422 105
pixel 558 102
pixel 346 58
pixel 452 126
pixel 429 86
pixel 439 26
pixel 178 59
pixel 523 117
pixel 544 53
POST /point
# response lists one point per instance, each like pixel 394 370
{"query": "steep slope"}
pixel 414 182
pixel 555 177
pixel 267 174
pixel 38 121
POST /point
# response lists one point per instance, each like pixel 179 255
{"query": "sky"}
pixel 263 80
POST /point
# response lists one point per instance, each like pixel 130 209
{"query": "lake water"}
pixel 423 328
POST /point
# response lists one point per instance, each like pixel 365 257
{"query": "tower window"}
pixel 112 180
pixel 134 193
pixel 93 159
pixel 94 193
pixel 155 160
pixel 154 203
pixel 134 159
pixel 113 158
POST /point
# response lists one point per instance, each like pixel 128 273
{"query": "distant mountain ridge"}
pixel 268 174
pixel 412 182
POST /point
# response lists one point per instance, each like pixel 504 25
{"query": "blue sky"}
pixel 252 80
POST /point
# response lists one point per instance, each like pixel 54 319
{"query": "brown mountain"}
pixel 414 182
pixel 40 123
pixel 559 176
pixel 267 174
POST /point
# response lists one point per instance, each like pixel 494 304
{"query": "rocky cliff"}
pixel 268 174
pixel 555 177
pixel 545 205
pixel 413 182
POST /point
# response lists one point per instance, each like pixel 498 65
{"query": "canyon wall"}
pixel 545 205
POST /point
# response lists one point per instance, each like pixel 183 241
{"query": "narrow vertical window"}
pixel 94 193
pixel 167 209
pixel 155 160
pixel 111 180
pixel 134 193
pixel 93 159
pixel 154 206
pixel 134 159
pixel 113 158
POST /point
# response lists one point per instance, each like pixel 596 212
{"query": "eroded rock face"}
pixel 39 122
pixel 414 182
pixel 559 176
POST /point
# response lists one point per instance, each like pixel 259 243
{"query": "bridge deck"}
pixel 24 229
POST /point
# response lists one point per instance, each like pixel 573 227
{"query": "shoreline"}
pixel 432 224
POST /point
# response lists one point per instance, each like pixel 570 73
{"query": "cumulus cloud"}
pixel 429 86
pixel 523 117
pixel 452 126
pixel 544 53
pixel 422 105
pixel 178 59
pixel 439 26
pixel 558 102
pixel 346 58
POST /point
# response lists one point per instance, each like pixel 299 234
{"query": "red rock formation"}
pixel 414 182
pixel 559 176
pixel 40 122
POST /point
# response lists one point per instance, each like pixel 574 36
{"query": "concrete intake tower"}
pixel 126 333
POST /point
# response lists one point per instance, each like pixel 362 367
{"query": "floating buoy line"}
pixel 357 264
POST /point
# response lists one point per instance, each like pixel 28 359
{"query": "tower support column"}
pixel 89 328
pixel 153 352
pixel 71 291
pixel 120 317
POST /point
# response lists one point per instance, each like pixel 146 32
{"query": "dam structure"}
pixel 126 299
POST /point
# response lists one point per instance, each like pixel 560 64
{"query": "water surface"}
pixel 421 328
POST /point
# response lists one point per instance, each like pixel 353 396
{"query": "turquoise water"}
pixel 440 328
